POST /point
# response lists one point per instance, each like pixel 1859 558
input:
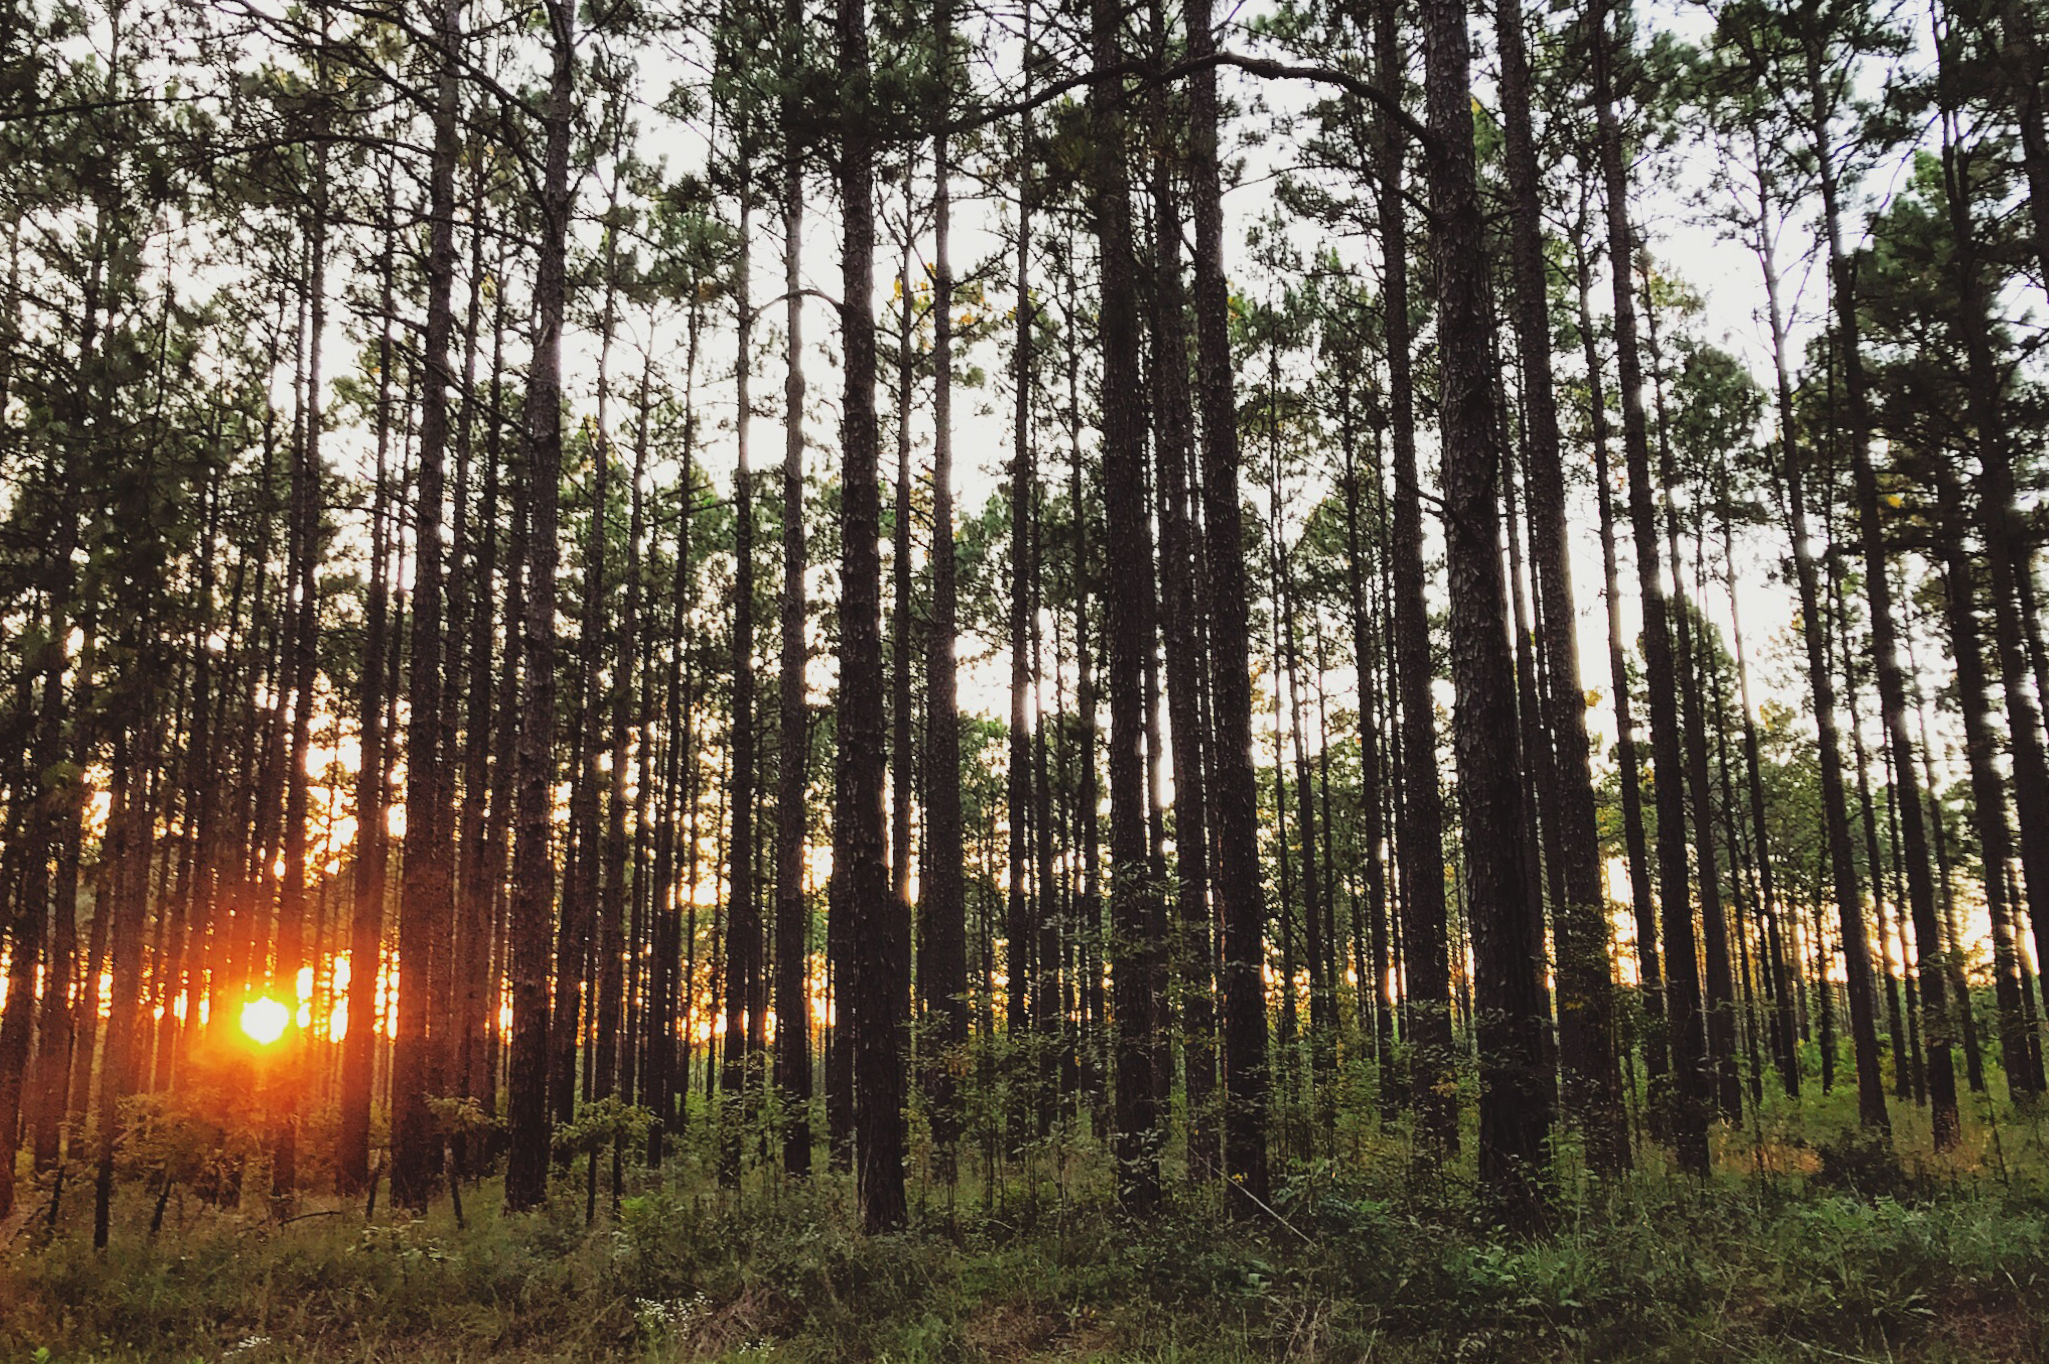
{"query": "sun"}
pixel 264 1020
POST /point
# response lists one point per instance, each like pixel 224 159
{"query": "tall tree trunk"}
pixel 1643 911
pixel 1241 904
pixel 1366 664
pixel 1019 930
pixel 533 871
pixel 1685 617
pixel 366 932
pixel 1129 573
pixel 1514 1080
pixel 1317 908
pixel 1586 1011
pixel 127 853
pixel 457 965
pixel 614 1064
pixel 1419 831
pixel 294 1062
pixel 506 728
pixel 1752 978
pixel 1082 802
pixel 792 911
pixel 1914 1083
pixel 1687 1028
pixel 2008 553
pixel 1988 794
pixel 902 705
pixel 482 866
pixel 1868 819
pixel 1892 690
pixel 1783 1030
pixel 425 887
pixel 573 955
pixel 944 938
pixel 876 992
pixel 1950 947
pixel 1181 630
pixel 743 916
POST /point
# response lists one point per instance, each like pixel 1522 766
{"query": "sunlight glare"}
pixel 263 1020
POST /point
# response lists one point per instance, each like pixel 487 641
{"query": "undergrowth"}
pixel 1856 1258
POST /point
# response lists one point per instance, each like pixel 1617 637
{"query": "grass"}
pixel 1806 1246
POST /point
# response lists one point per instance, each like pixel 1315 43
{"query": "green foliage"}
pixel 460 1116
pixel 1375 1260
pixel 602 1124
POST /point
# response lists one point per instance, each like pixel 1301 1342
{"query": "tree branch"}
pixel 1258 66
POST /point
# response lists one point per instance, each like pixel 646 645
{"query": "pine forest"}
pixel 1006 680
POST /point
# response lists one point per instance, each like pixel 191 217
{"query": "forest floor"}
pixel 1802 1247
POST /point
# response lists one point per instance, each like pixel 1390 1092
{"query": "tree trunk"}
pixel 293 1061
pixel 944 938
pixel 743 918
pixel 1988 792
pixel 876 992
pixel 1240 902
pixel 1514 1081
pixel 1687 1029
pixel 1585 994
pixel 1365 657
pixel 533 872
pixel 127 853
pixel 1891 683
pixel 614 944
pixel 1129 572
pixel 366 931
pixel 1419 831
pixel 1181 630
pixel 1685 617
pixel 425 887
pixel 2008 554
pixel 1643 911
pixel 1019 930
pixel 792 911
pixel 1783 1031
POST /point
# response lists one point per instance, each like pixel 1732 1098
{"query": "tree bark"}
pixel 743 916
pixel 425 886
pixel 1419 829
pixel 1685 618
pixel 1586 1014
pixel 1181 630
pixel 1241 904
pixel 876 994
pixel 1988 793
pixel 1514 1082
pixel 533 872
pixel 1129 572
pixel 1687 1032
pixel 1643 911
pixel 944 938
pixel 792 911
pixel 1891 680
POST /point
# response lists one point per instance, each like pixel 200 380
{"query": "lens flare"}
pixel 264 1020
